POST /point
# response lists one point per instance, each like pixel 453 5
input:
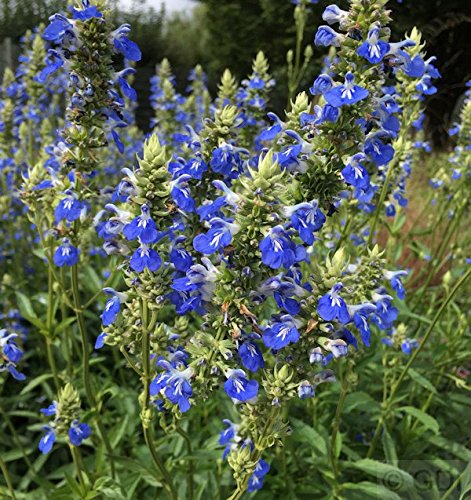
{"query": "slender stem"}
pixel 76 459
pixel 131 362
pixel 86 363
pixel 167 479
pixel 190 472
pixel 52 362
pixel 387 405
pixel 379 206
pixel 7 477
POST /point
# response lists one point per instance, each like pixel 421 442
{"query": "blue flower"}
pixel 373 50
pixel 386 313
pixel 112 306
pixel 66 254
pixel 379 152
pixel 278 249
pixel 306 218
pixel 360 315
pixel 355 173
pixel 229 433
pixel 78 432
pixel 237 386
pixel 326 37
pixel 218 237
pixel 256 479
pixel 69 208
pixel 316 355
pixel 47 441
pixel 58 28
pixel 396 284
pixel 122 44
pixel 331 306
pixel 173 384
pixel 270 133
pixel 346 94
pixel 50 410
pixel 409 345
pixel 305 390
pixel 142 227
pixel 145 257
pixel 251 356
pixel 281 332
pixel 338 347
pixel 180 191
pixel 333 14
pixel 180 257
pixel 86 13
pixel 100 340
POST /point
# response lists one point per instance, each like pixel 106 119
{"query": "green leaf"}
pixel 92 281
pixel 24 305
pixel 427 420
pixel 389 448
pixel 368 490
pixel 456 449
pixel 307 434
pixel 465 482
pixel 63 325
pixel 387 473
pixel 26 309
pixel 35 382
pixel 426 384
pixel 359 401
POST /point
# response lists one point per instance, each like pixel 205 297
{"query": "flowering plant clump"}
pixel 233 285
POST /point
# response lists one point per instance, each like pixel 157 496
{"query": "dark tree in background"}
pixel 238 28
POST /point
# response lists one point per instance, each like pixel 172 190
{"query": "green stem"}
pixel 336 428
pixel 78 468
pixel 190 472
pixel 387 405
pixel 379 206
pixel 7 477
pixel 52 362
pixel 167 479
pixel 86 363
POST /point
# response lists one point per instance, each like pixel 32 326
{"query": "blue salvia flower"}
pixel 256 479
pixel 69 208
pixel 47 441
pixel 219 236
pixel 10 354
pixel 112 306
pixel 306 218
pixel 239 387
pixel 66 254
pixel 250 355
pixel 123 45
pixel 78 432
pixel 354 173
pixel 281 332
pixel 321 84
pixel 174 384
pixel 142 227
pixel 278 249
pixel 373 49
pixel 346 94
pixel 326 37
pixel 396 284
pixel 333 14
pixel 145 257
pixel 331 306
